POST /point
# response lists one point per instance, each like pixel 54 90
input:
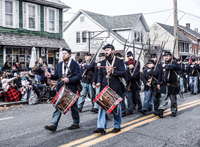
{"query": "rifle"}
pixel 135 66
pixel 160 54
pixel 171 60
pixel 96 53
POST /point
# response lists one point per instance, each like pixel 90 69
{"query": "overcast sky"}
pixel 122 7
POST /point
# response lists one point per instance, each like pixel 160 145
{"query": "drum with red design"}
pixel 108 99
pixel 64 99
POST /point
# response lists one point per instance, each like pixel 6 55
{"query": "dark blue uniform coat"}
pixel 114 82
pixel 89 74
pixel 72 80
pixel 162 78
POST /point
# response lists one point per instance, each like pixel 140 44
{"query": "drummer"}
pixel 63 73
pixel 109 77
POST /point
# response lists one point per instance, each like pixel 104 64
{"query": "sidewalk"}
pixel 7 104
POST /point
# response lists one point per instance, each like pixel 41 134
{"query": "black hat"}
pixel 118 54
pixel 129 54
pixel 67 49
pixel 179 59
pixel 153 55
pixel 87 54
pixel 186 60
pixel 167 53
pixel 193 59
pixel 150 62
pixel 109 46
pixel 101 54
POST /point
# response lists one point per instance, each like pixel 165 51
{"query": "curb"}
pixel 6 104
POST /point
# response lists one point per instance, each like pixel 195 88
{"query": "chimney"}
pixel 196 30
pixel 188 25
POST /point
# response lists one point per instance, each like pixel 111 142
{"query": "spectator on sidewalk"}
pixel 6 66
pixel 34 82
pixel 44 68
pixel 37 71
pixel 10 93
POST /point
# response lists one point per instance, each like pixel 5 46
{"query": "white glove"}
pixel 93 86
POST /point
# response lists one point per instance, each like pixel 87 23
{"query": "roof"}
pixel 113 22
pixel 170 29
pixel 54 3
pixel 33 41
pixel 190 31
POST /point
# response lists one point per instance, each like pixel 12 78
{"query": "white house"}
pixel 164 33
pixel 86 31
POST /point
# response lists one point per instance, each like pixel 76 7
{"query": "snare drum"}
pixel 64 99
pixel 108 99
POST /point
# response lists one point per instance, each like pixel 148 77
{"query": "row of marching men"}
pixel 160 83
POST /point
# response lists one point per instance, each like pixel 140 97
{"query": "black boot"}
pixel 160 113
pixel 99 130
pixel 173 114
pixel 156 113
pixel 115 130
pixel 50 128
pixel 143 111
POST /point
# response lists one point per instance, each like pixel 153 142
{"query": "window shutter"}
pixel 45 19
pixel 1 13
pixel 24 16
pixel 17 14
pixel 38 21
pixel 57 21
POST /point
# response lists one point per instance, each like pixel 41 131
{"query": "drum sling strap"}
pixel 108 78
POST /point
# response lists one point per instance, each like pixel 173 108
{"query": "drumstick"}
pixel 104 66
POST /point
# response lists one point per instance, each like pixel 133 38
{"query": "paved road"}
pixel 24 126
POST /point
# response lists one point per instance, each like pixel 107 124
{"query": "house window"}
pixel 32 16
pixel 9 13
pixel 82 18
pixel 187 47
pixel 78 37
pixel 138 36
pixel 51 20
pixel 84 37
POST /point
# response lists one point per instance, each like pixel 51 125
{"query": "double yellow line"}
pixel 96 138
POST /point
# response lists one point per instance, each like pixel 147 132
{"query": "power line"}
pixel 157 11
pixel 189 14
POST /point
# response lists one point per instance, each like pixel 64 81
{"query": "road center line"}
pixel 6 118
pixel 123 125
pixel 105 137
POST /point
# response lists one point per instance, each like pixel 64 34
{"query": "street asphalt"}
pixel 23 126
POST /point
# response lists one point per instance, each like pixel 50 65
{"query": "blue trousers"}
pixel 183 84
pixel 87 89
pixel 97 91
pixel 101 121
pixel 136 96
pixel 148 100
pixel 74 113
pixel 123 105
pixel 194 84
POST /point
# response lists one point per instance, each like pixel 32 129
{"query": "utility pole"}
pixel 175 29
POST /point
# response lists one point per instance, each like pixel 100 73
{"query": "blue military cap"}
pixel 109 46
pixel 153 55
pixel 167 53
pixel 129 54
pixel 101 54
pixel 87 54
pixel 67 49
pixel 150 62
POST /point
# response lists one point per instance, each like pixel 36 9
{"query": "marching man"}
pixel 64 72
pixel 109 77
